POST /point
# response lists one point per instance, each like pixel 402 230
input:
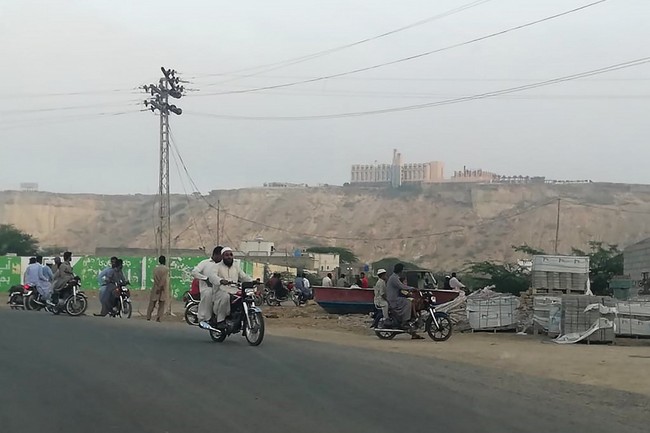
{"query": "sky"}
pixel 70 116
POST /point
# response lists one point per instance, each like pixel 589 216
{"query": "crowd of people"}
pixel 48 279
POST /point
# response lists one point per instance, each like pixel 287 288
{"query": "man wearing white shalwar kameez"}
pixel 226 272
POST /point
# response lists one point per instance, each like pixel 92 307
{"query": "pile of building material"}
pixel 633 318
pixel 586 318
pixel 456 311
pixel 547 314
pixel 560 274
pixel 489 310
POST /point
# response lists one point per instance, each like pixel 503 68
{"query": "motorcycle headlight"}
pixel 250 292
pixel 433 299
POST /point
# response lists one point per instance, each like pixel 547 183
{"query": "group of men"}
pixel 48 279
pixel 218 277
pixel 360 282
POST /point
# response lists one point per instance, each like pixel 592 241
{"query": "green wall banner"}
pixel 10 272
pixel 138 270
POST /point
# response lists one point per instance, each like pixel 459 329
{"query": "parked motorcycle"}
pixel 245 316
pixel 123 307
pixel 71 300
pixel 436 323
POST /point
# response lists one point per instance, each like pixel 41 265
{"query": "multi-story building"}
pixel 478 175
pixel 397 173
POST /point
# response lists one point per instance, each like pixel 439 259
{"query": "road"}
pixel 87 374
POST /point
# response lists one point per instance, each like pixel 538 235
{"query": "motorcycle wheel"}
pixel 255 335
pixel 217 336
pixel 191 314
pixel 29 302
pixel 76 305
pixel 385 335
pixel 127 310
pixel 441 333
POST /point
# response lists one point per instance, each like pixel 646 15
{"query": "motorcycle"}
pixel 71 300
pixel 191 309
pixel 32 299
pixel 437 324
pixel 18 296
pixel 123 307
pixel 244 317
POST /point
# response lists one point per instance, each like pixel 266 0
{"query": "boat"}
pixel 342 300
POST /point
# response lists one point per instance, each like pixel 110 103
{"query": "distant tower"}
pixel 396 170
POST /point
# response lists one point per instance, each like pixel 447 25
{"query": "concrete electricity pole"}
pixel 167 86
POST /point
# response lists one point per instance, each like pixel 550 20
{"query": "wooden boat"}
pixel 340 300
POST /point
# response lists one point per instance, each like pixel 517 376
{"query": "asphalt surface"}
pixel 86 374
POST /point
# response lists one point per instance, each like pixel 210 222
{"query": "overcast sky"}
pixel 595 128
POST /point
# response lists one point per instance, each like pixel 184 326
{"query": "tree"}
pixel 345 255
pixel 389 263
pixel 526 249
pixel 604 263
pixel 507 277
pixel 15 241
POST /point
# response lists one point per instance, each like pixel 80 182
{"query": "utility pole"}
pixel 167 86
pixel 557 226
pixel 218 222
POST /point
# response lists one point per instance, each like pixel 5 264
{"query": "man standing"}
pixel 159 290
pixel 101 278
pixel 381 304
pixel 400 305
pixel 226 273
pixel 201 272
pixel 455 283
pixel 341 281
pixel 364 281
pixel 327 281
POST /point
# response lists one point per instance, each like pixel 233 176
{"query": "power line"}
pixel 594 206
pixel 434 79
pixel 405 59
pixel 418 236
pixel 131 102
pixel 486 95
pixel 288 62
pixel 187 197
pixel 20 123
pixel 177 157
pixel 78 93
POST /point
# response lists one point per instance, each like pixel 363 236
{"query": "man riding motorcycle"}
pixel 400 306
pixel 225 273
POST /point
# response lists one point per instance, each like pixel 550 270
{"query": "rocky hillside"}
pixel 441 226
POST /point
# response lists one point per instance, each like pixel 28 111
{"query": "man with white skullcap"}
pixel 224 274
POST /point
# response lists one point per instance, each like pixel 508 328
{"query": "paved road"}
pixel 86 374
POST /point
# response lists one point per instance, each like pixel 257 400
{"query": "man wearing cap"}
pixel 381 304
pixel 225 273
pixel 201 272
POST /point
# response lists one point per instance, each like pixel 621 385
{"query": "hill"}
pixel 441 225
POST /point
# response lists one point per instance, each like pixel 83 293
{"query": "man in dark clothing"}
pixel 400 306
